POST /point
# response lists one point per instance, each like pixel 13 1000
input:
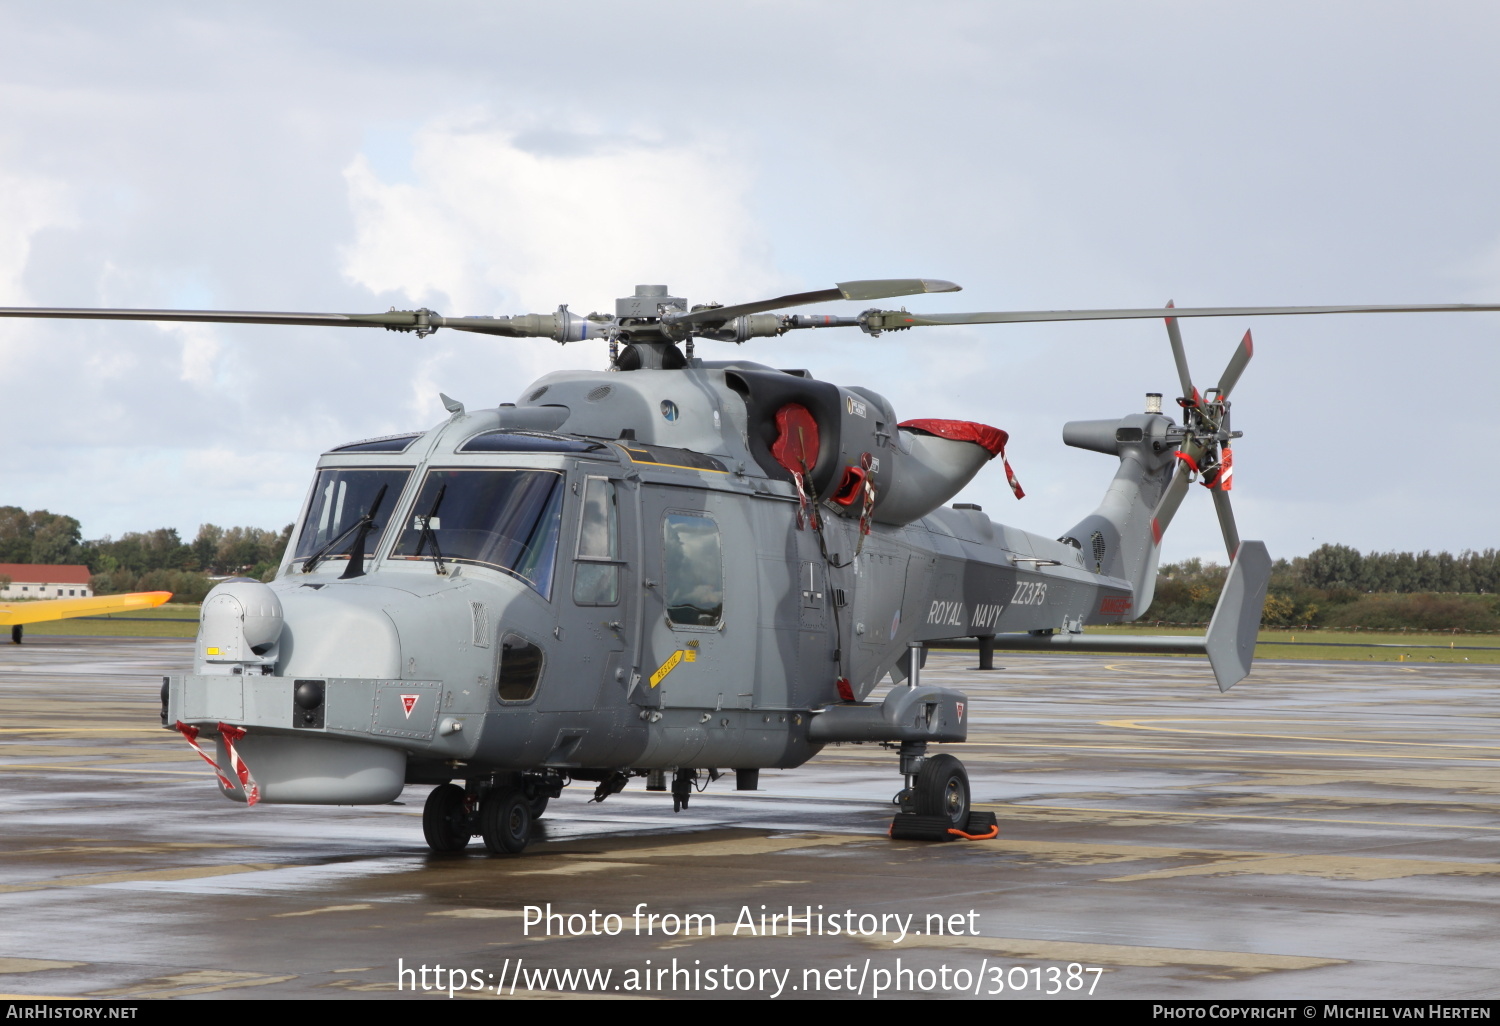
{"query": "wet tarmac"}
pixel 1325 830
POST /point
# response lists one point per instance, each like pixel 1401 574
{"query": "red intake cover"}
pixel 991 439
pixel 796 445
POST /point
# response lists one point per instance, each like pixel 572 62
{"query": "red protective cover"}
pixel 992 439
pixel 851 487
pixel 796 445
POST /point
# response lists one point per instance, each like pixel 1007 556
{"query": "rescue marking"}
pixel 1115 605
pixel 409 702
pixel 667 667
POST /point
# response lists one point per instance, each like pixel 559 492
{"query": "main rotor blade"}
pixel 878 288
pixel 393 319
pixel 1179 354
pixel 898 319
pixel 1237 364
pixel 1226 521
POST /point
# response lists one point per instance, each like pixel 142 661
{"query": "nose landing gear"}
pixel 447 819
pixel 502 810
pixel 505 821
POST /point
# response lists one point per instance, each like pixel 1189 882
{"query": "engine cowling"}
pixel 934 460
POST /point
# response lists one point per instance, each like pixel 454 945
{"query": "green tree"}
pixel 38 537
pixel 1333 566
pixel 140 552
pixel 15 535
pixel 206 545
pixel 55 538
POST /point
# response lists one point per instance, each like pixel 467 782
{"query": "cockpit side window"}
pixel 596 573
pixel 694 570
pixel 341 497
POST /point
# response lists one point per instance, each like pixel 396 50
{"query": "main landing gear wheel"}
pixel 538 806
pixel 505 821
pixel 445 819
pixel 942 790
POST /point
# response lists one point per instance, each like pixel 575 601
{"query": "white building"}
pixel 40 581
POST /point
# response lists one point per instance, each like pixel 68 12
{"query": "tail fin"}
pixel 1119 538
pixel 1236 620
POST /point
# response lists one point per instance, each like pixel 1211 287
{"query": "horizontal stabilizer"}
pixel 1104 644
pixel 1229 644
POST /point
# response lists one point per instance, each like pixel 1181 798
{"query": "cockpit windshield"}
pixel 341 497
pixel 505 519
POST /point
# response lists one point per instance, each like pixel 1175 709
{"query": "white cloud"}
pixel 201 348
pixel 27 205
pixel 574 218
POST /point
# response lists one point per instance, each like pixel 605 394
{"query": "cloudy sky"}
pixel 496 158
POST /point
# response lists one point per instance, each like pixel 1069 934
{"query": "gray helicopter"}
pixel 674 568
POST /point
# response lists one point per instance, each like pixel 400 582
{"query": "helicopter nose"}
pixel 339 631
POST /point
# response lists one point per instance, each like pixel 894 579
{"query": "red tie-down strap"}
pixel 866 461
pixel 802 501
pixel 231 735
pixel 1216 477
pixel 190 735
pixel 1010 476
pixel 990 438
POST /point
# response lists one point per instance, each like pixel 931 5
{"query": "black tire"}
pixel 505 821
pixel 538 806
pixel 942 790
pixel 445 819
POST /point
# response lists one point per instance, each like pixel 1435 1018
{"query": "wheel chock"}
pixel 910 827
pixel 981 826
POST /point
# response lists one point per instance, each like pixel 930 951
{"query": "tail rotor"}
pixel 1203 440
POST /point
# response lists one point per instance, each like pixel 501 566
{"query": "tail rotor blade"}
pixel 1179 354
pixel 1226 521
pixel 1237 364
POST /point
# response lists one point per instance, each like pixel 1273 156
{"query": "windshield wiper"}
pixel 363 526
pixel 428 534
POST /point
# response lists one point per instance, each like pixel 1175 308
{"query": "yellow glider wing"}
pixel 15 613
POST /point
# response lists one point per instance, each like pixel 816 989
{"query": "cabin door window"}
pixel 694 570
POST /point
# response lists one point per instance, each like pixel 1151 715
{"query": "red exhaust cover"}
pixel 991 439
